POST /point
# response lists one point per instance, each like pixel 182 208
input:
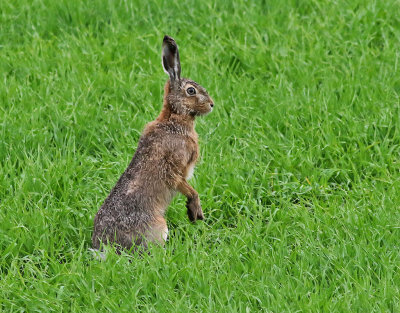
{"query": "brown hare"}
pixel 133 213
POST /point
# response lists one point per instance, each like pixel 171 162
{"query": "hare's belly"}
pixel 190 171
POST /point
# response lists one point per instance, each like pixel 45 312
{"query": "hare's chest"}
pixel 191 164
pixel 193 158
pixel 190 171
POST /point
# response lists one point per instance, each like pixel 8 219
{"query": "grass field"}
pixel 299 175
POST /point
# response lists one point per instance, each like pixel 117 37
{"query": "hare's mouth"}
pixel 208 112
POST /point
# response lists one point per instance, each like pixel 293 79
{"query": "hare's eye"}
pixel 191 91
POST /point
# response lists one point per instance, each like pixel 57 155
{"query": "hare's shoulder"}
pixel 170 135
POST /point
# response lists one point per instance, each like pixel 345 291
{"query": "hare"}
pixel 133 213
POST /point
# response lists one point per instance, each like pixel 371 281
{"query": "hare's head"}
pixel 185 97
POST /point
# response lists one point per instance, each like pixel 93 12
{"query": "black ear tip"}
pixel 169 40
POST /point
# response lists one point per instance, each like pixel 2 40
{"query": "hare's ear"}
pixel 170 59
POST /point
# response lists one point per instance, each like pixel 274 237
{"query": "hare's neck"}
pixel 182 121
pixel 185 121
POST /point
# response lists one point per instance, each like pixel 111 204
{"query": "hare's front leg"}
pixel 194 210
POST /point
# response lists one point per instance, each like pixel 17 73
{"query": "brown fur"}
pixel 133 213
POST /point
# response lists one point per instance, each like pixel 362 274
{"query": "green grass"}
pixel 299 175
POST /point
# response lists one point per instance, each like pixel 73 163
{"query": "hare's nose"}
pixel 212 104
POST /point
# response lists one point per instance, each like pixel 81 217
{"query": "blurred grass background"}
pixel 299 174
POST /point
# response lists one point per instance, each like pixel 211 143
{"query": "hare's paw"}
pixel 194 210
pixel 200 215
